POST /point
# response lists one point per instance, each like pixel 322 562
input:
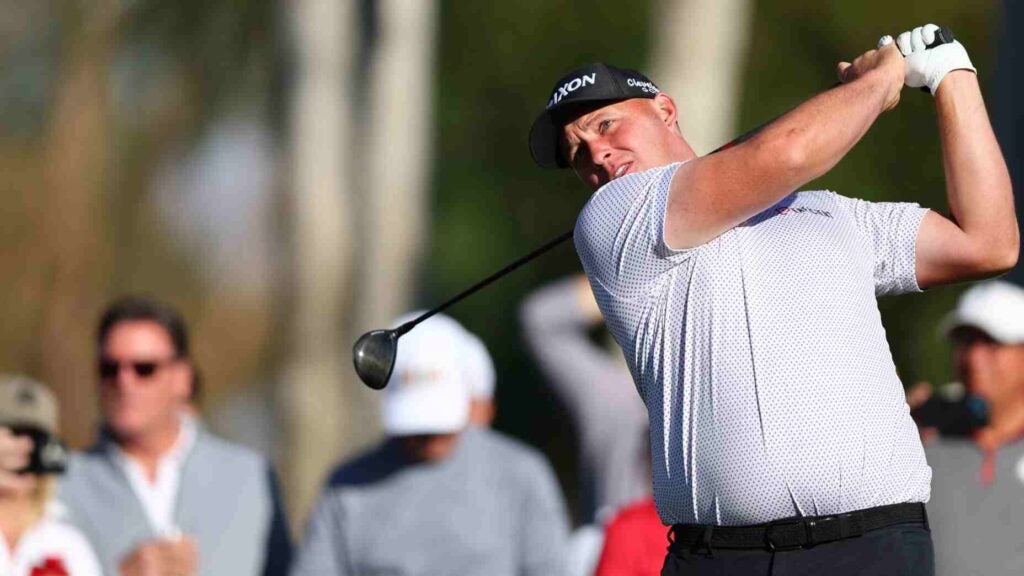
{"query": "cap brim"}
pixel 425 411
pixel 547 128
pixel 955 320
pixel 544 142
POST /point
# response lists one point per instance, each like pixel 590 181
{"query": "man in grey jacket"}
pixel 437 496
pixel 158 494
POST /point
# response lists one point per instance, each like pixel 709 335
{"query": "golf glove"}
pixel 928 66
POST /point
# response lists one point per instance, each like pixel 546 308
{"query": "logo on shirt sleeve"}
pixel 789 210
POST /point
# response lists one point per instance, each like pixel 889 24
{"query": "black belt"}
pixel 797 532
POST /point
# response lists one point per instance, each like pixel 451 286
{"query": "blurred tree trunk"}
pixel 317 368
pixel 399 141
pixel 1008 115
pixel 76 161
pixel 699 55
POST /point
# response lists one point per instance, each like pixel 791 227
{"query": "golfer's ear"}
pixel 666 108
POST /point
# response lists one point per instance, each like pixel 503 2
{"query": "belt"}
pixel 797 532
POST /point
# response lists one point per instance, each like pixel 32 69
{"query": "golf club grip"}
pixel 942 36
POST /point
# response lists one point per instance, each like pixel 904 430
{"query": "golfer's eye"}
pixel 604 125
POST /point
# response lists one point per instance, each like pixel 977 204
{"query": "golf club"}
pixel 374 353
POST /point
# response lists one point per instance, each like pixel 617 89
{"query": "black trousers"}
pixel 901 550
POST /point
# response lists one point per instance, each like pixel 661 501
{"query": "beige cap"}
pixel 25 402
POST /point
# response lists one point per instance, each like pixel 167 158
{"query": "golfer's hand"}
pixel 928 66
pixel 162 557
pixel 14 455
pixel 885 63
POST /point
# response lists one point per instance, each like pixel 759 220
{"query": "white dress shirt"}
pixel 159 496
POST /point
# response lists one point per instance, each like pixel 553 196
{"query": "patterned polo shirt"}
pixel 761 354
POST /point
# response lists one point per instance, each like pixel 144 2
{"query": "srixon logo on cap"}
pixel 572 86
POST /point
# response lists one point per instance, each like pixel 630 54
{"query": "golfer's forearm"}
pixel 977 181
pixel 814 136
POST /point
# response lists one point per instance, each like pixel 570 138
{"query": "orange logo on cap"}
pixel 413 376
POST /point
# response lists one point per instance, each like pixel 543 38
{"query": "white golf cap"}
pixel 428 392
pixel 995 307
pixel 478 367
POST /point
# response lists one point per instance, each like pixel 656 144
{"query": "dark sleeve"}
pixel 279 542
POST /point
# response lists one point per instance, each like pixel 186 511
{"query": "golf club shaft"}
pixel 943 35
pixel 528 257
pixel 475 287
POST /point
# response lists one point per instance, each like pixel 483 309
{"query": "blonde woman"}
pixel 34 539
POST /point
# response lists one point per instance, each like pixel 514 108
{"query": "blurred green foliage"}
pixel 497 63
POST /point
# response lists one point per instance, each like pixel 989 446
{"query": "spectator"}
pixel 595 385
pixel 435 497
pixel 34 538
pixel 479 370
pixel 158 493
pixel 634 542
pixel 976 510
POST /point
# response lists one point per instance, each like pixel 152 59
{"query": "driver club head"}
pixel 374 357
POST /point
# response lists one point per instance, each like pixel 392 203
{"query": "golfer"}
pixel 781 440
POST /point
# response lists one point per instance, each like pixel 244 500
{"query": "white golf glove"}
pixel 928 66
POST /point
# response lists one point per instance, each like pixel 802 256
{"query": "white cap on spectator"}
pixel 479 367
pixel 995 307
pixel 428 392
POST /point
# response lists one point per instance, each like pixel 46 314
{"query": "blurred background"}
pixel 294 173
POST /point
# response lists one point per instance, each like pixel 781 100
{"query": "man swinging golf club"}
pixel 781 441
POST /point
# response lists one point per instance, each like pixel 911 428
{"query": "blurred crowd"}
pixel 444 493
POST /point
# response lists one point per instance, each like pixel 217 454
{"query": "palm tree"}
pixel 699 53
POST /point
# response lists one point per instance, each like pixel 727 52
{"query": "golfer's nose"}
pixel 600 153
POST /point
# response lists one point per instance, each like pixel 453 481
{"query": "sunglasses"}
pixel 109 368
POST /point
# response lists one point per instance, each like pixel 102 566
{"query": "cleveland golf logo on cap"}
pixel 572 86
pixel 645 85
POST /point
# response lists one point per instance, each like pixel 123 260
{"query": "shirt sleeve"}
pixel 620 235
pixel 322 550
pixel 891 230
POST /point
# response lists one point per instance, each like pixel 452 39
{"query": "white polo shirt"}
pixel 761 355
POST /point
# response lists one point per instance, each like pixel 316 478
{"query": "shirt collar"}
pixel 179 451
